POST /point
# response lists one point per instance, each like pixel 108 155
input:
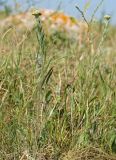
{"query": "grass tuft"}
pixel 57 99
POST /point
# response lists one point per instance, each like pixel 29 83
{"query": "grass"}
pixel 63 107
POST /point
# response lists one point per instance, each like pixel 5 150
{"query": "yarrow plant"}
pixel 107 20
pixel 41 53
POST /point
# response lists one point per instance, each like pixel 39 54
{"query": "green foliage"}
pixel 87 5
pixel 5 7
pixel 65 102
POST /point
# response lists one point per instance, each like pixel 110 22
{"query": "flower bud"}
pixel 107 17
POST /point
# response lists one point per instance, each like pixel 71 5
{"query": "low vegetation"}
pixel 58 95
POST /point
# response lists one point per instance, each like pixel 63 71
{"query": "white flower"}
pixel 107 17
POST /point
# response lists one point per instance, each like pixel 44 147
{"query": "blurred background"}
pixel 68 6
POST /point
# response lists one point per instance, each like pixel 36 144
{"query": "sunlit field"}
pixel 58 91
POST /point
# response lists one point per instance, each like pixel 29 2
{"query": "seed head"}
pixel 107 17
pixel 36 13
